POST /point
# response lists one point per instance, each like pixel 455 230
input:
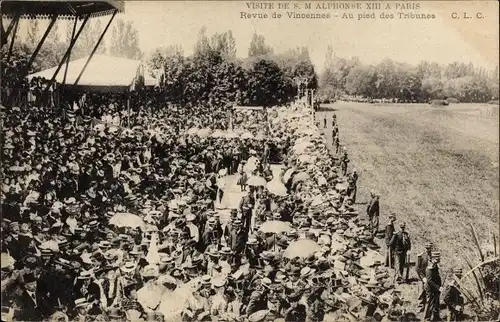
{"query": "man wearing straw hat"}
pixel 433 288
pixel 453 297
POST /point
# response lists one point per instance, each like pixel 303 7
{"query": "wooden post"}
pixel 69 57
pixel 13 38
pixel 128 112
pixel 95 49
pixel 39 46
pixel 69 48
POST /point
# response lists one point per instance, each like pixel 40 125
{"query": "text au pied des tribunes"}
pixel 326 10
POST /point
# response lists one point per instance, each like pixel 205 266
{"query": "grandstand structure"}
pixel 79 11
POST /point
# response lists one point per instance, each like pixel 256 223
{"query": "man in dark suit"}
pixel 237 238
pixel 401 244
pixel 31 304
pixel 17 244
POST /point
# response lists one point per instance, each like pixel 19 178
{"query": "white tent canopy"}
pixel 102 70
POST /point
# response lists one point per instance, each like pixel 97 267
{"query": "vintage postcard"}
pixel 249 160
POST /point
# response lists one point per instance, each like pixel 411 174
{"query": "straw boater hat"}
pixel 206 280
pixel 212 252
pixel 128 267
pixel 85 275
pixel 81 302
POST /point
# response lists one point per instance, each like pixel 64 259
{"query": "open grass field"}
pixel 436 168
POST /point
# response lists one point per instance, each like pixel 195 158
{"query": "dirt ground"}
pixel 436 168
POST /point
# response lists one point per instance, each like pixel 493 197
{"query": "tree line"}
pixel 124 42
pixel 408 83
pixel 213 75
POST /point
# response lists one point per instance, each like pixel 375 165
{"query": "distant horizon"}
pixel 409 41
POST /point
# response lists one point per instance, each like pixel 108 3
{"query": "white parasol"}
pixel 275 226
pixel 193 131
pixel 247 135
pixel 256 181
pixel 276 188
pixel 204 132
pixel 124 219
pixel 218 134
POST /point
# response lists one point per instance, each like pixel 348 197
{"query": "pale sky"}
pixel 442 40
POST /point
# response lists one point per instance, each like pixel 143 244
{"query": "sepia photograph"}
pixel 245 161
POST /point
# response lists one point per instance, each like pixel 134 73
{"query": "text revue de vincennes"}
pixel 347 10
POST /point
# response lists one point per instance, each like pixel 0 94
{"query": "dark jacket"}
pixel 433 279
pixel 29 310
pixel 389 231
pixel 373 208
pixel 237 241
pixel 296 314
pixel 453 297
pixel 400 242
pixel 422 263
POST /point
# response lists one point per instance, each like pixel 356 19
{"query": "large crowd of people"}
pixel 112 213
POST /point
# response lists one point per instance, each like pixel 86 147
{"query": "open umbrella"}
pixel 301 248
pixel 193 130
pixel 301 176
pixel 306 158
pixel 247 135
pixel 276 188
pixel 124 219
pixel 231 135
pixel 275 226
pixel 218 134
pixel 203 133
pixel 256 181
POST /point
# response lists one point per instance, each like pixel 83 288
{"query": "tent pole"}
pixel 69 49
pixel 9 29
pixel 13 39
pixel 42 41
pixel 95 48
pixel 63 85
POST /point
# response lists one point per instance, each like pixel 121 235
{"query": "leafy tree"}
pixel 125 41
pixel 158 58
pixel 33 30
pixel 88 39
pixel 258 47
pixel 266 84
pixel 202 45
pixel 224 44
